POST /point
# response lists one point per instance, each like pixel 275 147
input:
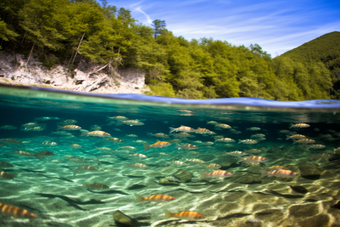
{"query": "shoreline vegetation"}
pixel 84 32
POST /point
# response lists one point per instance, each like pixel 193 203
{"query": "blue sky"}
pixel 277 26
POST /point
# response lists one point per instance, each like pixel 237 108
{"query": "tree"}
pixel 159 27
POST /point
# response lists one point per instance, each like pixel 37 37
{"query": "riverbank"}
pixel 86 77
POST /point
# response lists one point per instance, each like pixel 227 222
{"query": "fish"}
pixel 96 134
pixel 132 135
pixel 138 155
pixel 96 186
pixel 182 129
pixel 216 173
pixel 208 143
pixel 254 151
pixel 258 135
pixel 204 131
pixel 277 168
pixel 235 153
pixel 16 212
pixel 253 159
pixel 189 215
pixel 8 127
pixel 43 154
pixel 50 143
pixel 178 163
pixel 224 126
pixel 62 133
pixel 156 198
pixel 136 165
pixel 195 160
pixel 114 140
pixel 186 146
pixel 127 148
pixel 193 152
pixel 9 140
pixel 159 135
pixel 182 135
pixel 5 165
pixel 118 118
pixel 299 125
pixel 247 141
pixel 95 128
pixel 316 147
pixel 296 137
pixel 5 175
pixel 324 155
pixel 23 153
pixel 46 118
pixel 163 153
pixel 279 173
pixel 212 122
pixel 224 140
pixel 69 127
pixel 69 122
pixel 139 141
pixel 84 169
pixel 133 122
pixel 104 149
pixel 158 144
pixel 213 166
pixel 285 131
pixel 75 146
pixel 304 141
pixel 253 129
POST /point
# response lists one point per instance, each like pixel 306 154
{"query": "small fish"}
pixel 138 155
pixel 75 146
pixel 62 133
pixel 5 165
pixel 163 153
pixel 258 135
pixel 247 141
pixel 182 135
pixel 84 169
pixel 189 215
pixel 304 141
pixel 223 126
pixel 193 152
pixel 132 135
pixel 97 134
pixel 8 127
pixel 5 175
pixel 43 154
pixel 23 153
pixel 15 211
pixel 212 122
pixel 277 168
pixel 299 125
pixel 172 179
pixel 182 129
pixel 159 135
pixel 213 166
pixel 118 118
pixel 9 140
pixel 96 186
pixel 104 149
pixel 127 148
pixel 139 141
pixel 114 140
pixel 216 173
pixel 296 137
pixel 69 127
pixel 204 131
pixel 253 159
pixel 187 146
pixel 95 128
pixel 133 122
pixel 316 147
pixel 279 173
pixel 158 144
pixel 195 160
pixel 46 118
pixel 285 131
pixel 325 155
pixel 224 140
pixel 136 165
pixel 178 163
pixel 253 151
pixel 235 153
pixel 69 122
pixel 208 143
pixel 50 143
pixel 253 129
pixel 157 198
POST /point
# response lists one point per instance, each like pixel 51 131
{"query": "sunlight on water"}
pixel 73 160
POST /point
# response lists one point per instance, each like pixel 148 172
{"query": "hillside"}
pixel 325 49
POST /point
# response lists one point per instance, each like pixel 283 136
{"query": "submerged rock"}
pixel 183 176
pixel 309 171
pixel 165 181
pixel 303 210
pixel 123 219
pixel 299 188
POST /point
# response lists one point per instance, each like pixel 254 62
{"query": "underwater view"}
pixel 74 159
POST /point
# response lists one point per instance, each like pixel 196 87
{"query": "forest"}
pixel 198 69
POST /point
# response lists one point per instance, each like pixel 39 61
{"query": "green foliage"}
pixel 204 68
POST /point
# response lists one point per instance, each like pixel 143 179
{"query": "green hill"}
pixel 325 49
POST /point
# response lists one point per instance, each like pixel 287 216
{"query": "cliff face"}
pixel 87 77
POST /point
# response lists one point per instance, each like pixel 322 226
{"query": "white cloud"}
pixel 148 19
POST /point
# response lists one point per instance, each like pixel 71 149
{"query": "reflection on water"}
pixel 72 160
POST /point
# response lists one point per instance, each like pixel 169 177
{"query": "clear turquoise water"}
pixel 48 188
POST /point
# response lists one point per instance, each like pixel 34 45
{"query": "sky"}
pixel 277 26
